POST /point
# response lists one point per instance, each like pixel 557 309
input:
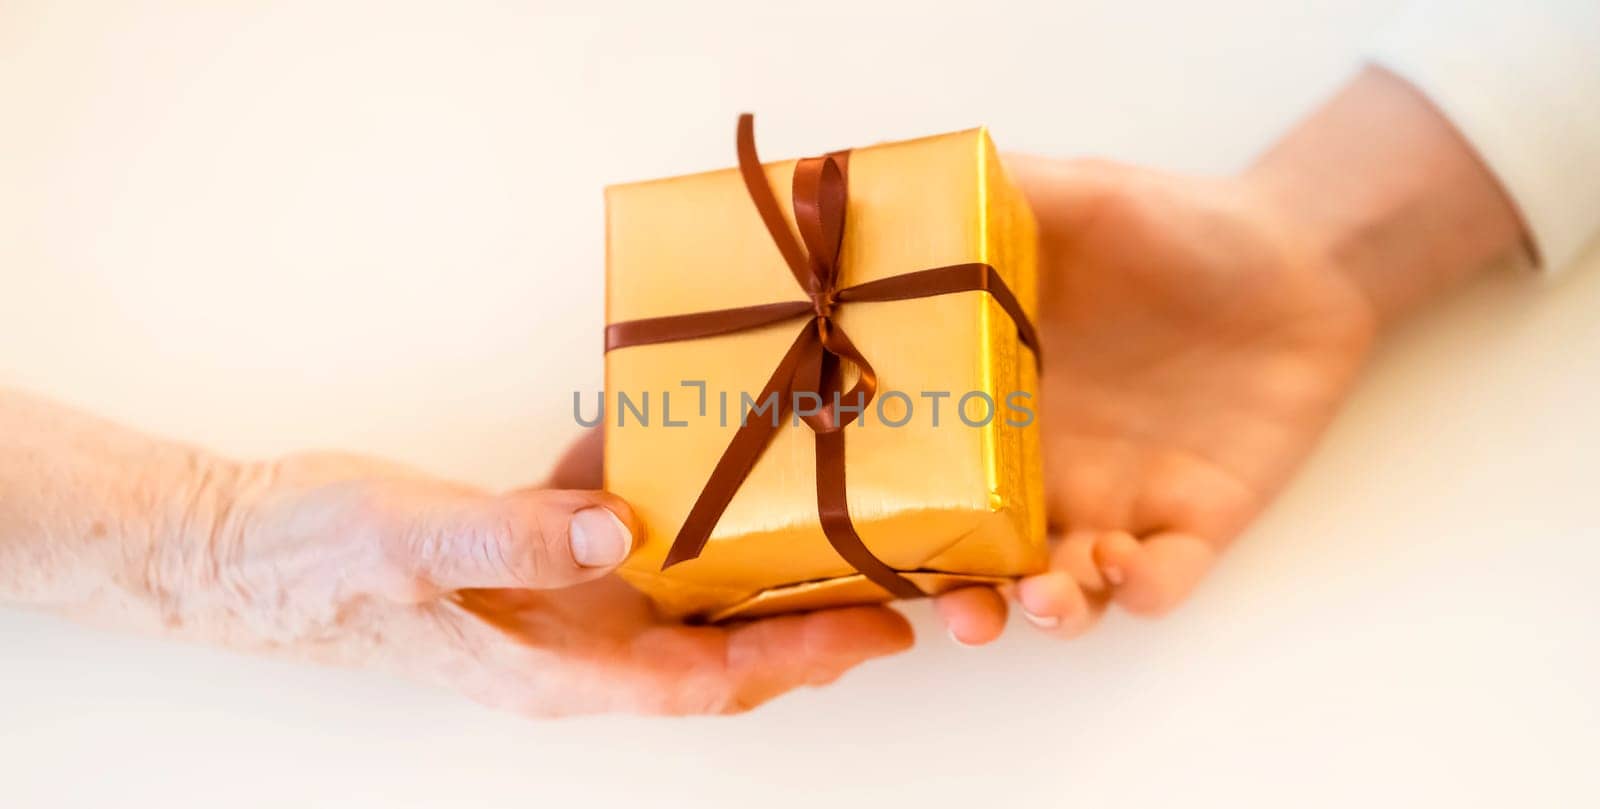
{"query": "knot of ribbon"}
pixel 814 364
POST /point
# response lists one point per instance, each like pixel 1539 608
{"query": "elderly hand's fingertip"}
pixel 599 538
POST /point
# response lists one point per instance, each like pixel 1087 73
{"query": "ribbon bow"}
pixel 814 362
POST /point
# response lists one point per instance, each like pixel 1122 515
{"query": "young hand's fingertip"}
pixel 963 643
pixel 1153 575
pixel 973 615
pixel 1117 555
pixel 1074 555
pixel 1046 597
pixel 1059 597
pixel 1047 622
pixel 1113 545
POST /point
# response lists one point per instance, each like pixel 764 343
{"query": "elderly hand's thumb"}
pixel 532 539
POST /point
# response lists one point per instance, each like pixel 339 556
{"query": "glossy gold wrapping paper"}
pixel 951 503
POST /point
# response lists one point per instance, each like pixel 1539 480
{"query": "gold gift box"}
pixel 947 504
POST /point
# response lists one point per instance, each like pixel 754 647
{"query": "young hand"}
pixel 1200 333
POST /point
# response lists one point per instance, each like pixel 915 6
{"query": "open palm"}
pixel 1195 346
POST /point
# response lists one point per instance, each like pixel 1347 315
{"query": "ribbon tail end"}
pixel 678 555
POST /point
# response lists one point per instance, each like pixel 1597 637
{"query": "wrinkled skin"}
pixel 600 646
pixel 593 646
pixel 356 561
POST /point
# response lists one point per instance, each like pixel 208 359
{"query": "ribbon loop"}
pixel 820 199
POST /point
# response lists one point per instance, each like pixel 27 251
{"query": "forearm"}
pixel 98 520
pixel 1385 186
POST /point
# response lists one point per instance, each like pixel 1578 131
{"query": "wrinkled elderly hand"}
pixel 505 597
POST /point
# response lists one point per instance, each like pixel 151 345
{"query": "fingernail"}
pixel 1112 573
pixel 959 642
pixel 1042 621
pixel 598 538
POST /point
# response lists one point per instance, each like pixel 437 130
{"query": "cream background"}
pixel 338 224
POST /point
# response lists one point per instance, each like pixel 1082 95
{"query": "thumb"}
pixel 528 539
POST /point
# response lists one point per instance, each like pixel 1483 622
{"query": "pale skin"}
pixel 1199 335
pixel 356 561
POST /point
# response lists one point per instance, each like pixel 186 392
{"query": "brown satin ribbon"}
pixel 813 364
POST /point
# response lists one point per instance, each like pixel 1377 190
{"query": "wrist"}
pixel 1381 185
pixel 196 514
pixel 102 522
